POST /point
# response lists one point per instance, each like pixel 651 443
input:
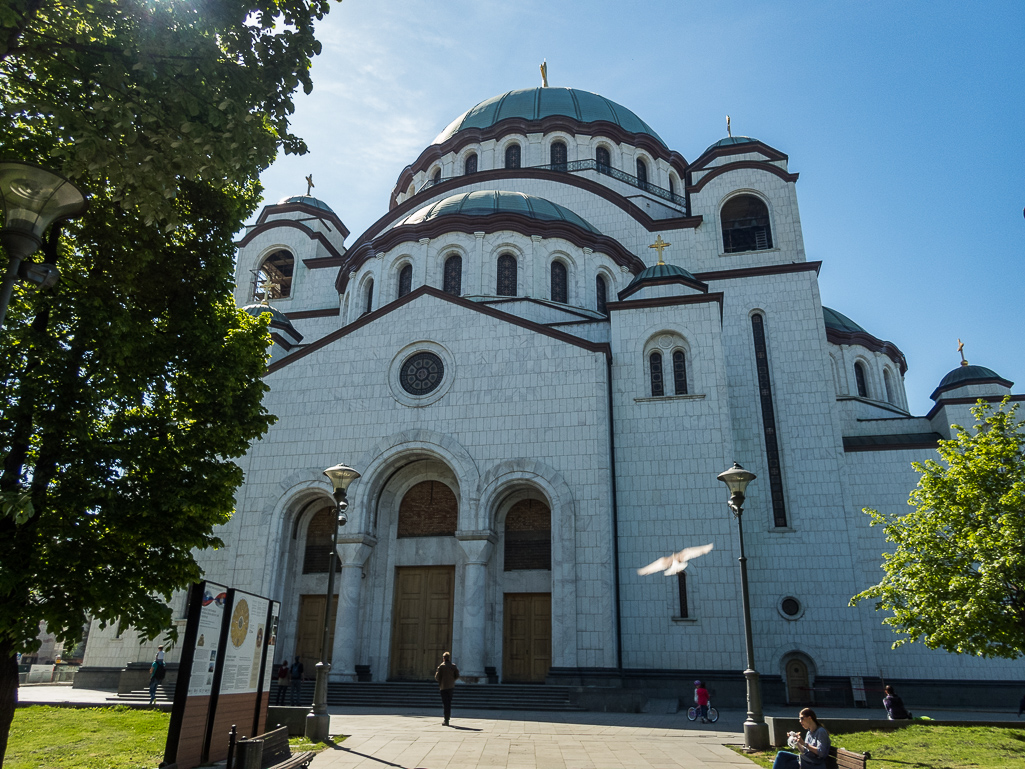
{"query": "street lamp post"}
pixel 756 732
pixel 318 721
pixel 32 198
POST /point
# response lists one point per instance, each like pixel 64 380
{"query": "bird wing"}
pixel 660 565
pixel 690 553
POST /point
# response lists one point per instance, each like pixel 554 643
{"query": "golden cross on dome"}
pixel 544 73
pixel 267 285
pixel 660 246
pixel 729 131
pixel 309 185
pixel 960 349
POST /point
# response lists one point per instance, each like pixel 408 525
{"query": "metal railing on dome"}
pixel 576 166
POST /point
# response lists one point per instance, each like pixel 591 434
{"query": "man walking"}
pixel 296 674
pixel 446 676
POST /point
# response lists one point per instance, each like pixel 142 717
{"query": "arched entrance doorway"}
pixel 798 682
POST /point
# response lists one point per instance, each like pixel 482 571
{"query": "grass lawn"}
pixel 95 738
pixel 932 747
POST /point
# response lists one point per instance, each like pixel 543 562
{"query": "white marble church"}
pixel 539 358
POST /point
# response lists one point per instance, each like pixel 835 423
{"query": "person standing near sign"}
pixel 157 671
pixel 446 676
pixel 297 679
pixel 284 678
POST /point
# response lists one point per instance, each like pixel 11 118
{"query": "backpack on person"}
pixel 160 671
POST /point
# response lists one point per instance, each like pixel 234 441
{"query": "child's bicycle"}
pixel 712 715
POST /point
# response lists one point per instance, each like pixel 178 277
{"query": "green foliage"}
pixel 956 580
pixel 132 95
pixel 86 738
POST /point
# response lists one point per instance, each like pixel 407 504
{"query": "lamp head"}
pixel 341 476
pixel 736 479
pixel 33 198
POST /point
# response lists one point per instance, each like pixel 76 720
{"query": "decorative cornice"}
pixel 302 314
pixel 869 342
pixel 317 213
pixel 758 272
pixel 412 233
pixel 712 153
pixel 970 402
pixel 323 262
pixel 552 124
pixel 596 347
pixel 668 280
pixel 720 170
pixel 259 229
pixel 667 301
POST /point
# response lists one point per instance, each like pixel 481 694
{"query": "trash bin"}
pixel 248 754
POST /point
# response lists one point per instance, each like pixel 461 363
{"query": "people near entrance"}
pixel 894 705
pixel 296 676
pixel 157 671
pixel 446 676
pixel 812 749
pixel 284 677
pixel 701 700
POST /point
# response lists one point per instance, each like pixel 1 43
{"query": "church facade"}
pixel 539 359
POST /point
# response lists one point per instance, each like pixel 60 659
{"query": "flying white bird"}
pixel 676 562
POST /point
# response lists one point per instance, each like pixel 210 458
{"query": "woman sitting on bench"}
pixel 813 749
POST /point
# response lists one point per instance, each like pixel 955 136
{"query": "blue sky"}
pixel 905 121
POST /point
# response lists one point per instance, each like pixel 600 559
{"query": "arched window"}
pixel 681 587
pixel 642 174
pixel 672 185
pixel 405 280
pixel 558 156
pixel 888 384
pixel 512 156
pixel 603 160
pixel 859 379
pixel 655 370
pixel 276 274
pixel 370 297
pixel 528 536
pixel 601 294
pixel 779 511
pixel 429 509
pixel 745 225
pixel 436 179
pixel 506 275
pixel 559 289
pixel 453 275
pixel 679 373
pixel 318 542
pixel 470 167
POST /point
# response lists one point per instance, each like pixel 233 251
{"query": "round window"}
pixel 422 373
pixel 790 606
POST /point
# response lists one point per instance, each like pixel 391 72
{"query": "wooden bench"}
pixel 276 752
pixel 847 759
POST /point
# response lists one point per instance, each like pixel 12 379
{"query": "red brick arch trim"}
pixel 760 165
pixel 411 233
pixel 553 124
pixel 262 228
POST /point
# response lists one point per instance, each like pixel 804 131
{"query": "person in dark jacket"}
pixel 894 705
pixel 296 676
pixel 284 679
pixel 446 676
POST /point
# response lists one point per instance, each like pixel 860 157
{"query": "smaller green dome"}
pixel 308 200
pixel 964 375
pixel 487 202
pixel 729 141
pixel 659 271
pixel 840 322
pixel 256 310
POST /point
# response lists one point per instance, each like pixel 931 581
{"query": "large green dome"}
pixel 489 202
pixel 538 103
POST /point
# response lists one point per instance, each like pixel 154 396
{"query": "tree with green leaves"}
pixel 128 388
pixel 956 580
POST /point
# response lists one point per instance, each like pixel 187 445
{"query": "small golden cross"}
pixel 729 131
pixel 660 245
pixel 960 349
pixel 267 286
pixel 544 73
pixel 309 185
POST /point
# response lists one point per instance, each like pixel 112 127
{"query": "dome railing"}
pixel 590 164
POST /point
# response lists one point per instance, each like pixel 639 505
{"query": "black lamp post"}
pixel 319 721
pixel 32 198
pixel 756 732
